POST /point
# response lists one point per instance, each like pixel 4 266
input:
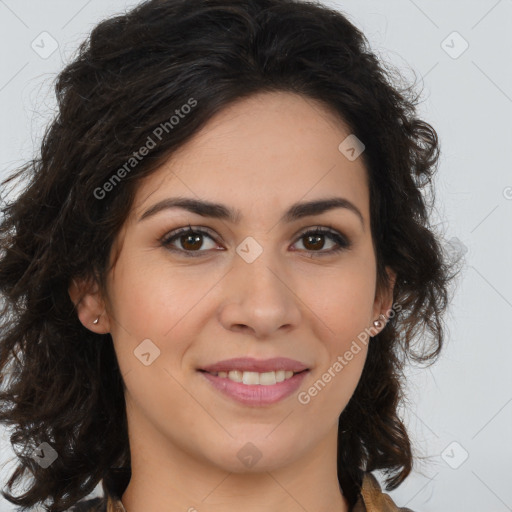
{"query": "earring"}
pixel 377 323
pixel 96 321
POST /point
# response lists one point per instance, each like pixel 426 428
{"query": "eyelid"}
pixel 340 239
pixel 174 233
pixel 326 230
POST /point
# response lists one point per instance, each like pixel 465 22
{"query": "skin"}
pixel 259 155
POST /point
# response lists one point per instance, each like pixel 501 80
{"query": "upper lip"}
pixel 247 364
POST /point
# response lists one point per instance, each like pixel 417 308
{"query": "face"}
pixel 260 285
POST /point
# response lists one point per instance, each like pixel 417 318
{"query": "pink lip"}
pixel 256 394
pixel 249 364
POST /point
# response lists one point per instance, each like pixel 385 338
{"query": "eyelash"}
pixel 342 242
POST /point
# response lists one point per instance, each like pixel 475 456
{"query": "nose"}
pixel 259 298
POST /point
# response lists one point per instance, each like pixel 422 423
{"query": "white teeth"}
pixel 234 375
pixel 252 378
pixel 268 378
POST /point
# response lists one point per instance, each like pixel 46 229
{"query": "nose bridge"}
pixel 258 265
pixel 258 295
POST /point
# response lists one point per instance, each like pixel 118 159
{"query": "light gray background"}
pixel 466 398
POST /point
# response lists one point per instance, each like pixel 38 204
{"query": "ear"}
pixel 384 299
pixel 89 305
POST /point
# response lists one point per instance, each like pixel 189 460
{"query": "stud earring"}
pixel 377 323
pixel 96 321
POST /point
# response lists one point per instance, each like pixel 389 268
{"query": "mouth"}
pixel 255 382
pixel 255 389
pixel 250 378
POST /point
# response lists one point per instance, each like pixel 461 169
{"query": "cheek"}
pixel 342 302
pixel 343 299
pixel 148 299
pixel 329 391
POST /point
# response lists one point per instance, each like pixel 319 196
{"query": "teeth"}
pixel 263 379
pixel 234 375
pixel 280 375
pixel 252 377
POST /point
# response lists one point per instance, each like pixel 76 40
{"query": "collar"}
pixel 371 497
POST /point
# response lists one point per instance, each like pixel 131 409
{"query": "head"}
pixel 151 110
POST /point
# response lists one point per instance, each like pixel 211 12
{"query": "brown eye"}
pixel 189 239
pixel 190 242
pixel 314 241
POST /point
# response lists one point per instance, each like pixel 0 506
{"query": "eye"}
pixel 314 240
pixel 191 240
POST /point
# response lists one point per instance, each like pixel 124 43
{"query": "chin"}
pixel 251 454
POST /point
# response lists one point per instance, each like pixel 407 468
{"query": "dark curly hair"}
pixel 61 382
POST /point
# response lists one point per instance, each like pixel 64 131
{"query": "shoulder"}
pixel 373 499
pixel 90 505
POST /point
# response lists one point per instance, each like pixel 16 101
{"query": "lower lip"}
pixel 256 394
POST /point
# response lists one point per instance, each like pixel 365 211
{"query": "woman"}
pixel 218 267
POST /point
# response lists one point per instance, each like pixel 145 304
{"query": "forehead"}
pixel 261 154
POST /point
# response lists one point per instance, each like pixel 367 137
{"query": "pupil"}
pixel 197 239
pixel 317 237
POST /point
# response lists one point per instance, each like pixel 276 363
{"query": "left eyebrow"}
pixel 219 211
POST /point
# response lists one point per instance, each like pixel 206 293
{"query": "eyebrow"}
pixel 219 211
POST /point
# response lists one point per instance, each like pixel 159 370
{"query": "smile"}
pixel 253 388
pixel 263 379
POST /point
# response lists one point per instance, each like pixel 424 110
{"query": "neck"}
pixel 173 479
